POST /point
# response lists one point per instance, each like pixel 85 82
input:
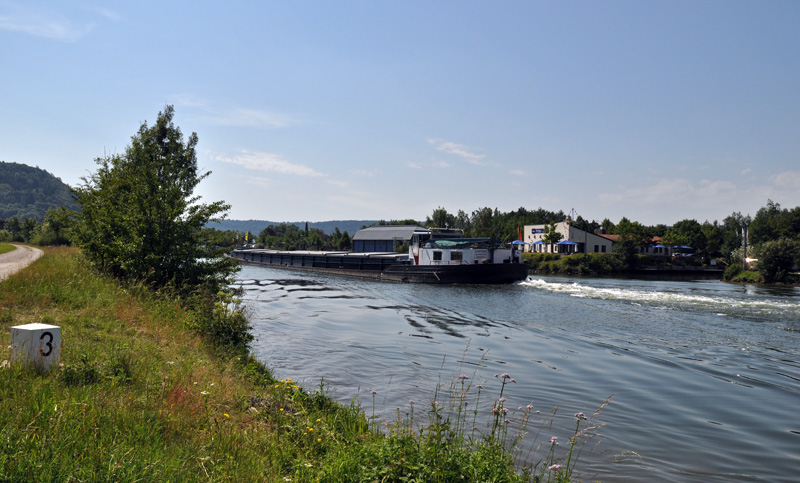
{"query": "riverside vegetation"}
pixel 157 381
pixel 153 390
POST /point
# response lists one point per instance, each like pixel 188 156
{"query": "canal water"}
pixel 704 376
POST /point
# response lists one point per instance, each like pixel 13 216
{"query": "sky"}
pixel 333 110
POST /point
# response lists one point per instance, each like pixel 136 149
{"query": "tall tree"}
pixel 140 219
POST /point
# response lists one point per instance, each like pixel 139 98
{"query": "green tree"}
pixel 687 233
pixel 140 220
pixel 776 258
pixel 551 236
pixel 633 237
pixel 441 219
pixel 55 229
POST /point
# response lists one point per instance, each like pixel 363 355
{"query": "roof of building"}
pixel 387 232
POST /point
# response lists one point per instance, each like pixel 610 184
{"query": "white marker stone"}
pixel 38 344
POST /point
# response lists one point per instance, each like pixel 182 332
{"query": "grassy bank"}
pixel 603 263
pixel 139 396
pixel 6 247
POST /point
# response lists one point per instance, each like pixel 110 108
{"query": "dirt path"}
pixel 14 261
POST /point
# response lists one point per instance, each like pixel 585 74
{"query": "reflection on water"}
pixel 705 375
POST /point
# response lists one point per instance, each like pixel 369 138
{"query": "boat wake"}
pixel 659 296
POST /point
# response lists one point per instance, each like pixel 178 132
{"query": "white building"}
pixel 573 240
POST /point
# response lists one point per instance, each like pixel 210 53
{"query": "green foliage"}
pixel 139 398
pixel 221 321
pixel 140 220
pixel 551 236
pixel 731 271
pixel 488 222
pixel 776 259
pixel 772 223
pixel 577 264
pixel 28 192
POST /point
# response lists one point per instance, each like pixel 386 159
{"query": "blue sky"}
pixel 655 111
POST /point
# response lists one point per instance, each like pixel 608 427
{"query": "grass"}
pixel 140 396
pixel 6 247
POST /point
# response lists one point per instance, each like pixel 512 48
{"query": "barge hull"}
pixel 386 267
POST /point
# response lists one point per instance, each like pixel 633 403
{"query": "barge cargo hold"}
pixel 447 259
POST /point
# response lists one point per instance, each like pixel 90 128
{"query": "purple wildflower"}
pixel 554 467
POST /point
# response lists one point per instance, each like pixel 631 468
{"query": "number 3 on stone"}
pixel 48 344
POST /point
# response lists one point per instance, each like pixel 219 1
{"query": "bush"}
pixel 776 259
pixel 732 271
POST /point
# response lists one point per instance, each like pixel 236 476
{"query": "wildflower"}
pixel 411 402
pixel 505 376
pixel 502 399
pixel 505 410
pixel 554 467
pixel 507 421
pixel 374 392
pixel 205 393
pixel 530 406
pixel 514 381
pixel 580 416
pixel 319 440
pixel 226 415
pixel 319 420
pixel 479 386
pixel 497 375
pixel 537 411
pixel 462 377
pixel 281 409
pixel 519 408
pixel 554 440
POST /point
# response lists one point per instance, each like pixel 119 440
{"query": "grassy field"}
pixel 138 396
pixel 6 247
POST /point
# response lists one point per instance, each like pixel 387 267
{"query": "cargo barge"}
pixel 433 257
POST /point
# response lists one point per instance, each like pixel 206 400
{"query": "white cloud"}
pixel 787 179
pixel 441 164
pixel 269 162
pixel 243 117
pixel 363 172
pixel 518 172
pixel 337 183
pixel 414 165
pixel 459 150
pixel 42 23
pixel 234 117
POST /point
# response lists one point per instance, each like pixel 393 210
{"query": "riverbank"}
pixel 603 264
pixel 140 396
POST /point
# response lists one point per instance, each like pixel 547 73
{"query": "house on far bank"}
pixel 656 248
pixel 384 238
pixel 573 240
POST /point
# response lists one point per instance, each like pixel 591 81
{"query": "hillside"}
pixel 257 226
pixel 28 192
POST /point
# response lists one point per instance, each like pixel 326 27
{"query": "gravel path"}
pixel 14 261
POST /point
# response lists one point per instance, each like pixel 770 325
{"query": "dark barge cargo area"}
pixel 386 266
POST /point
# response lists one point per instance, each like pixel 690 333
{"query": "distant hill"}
pixel 257 226
pixel 28 192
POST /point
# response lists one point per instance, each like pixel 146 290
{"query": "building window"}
pixel 604 248
pixel 437 256
pixel 596 248
pixel 456 256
